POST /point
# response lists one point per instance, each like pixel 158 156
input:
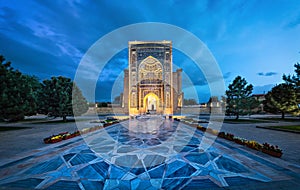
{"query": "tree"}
pixel 56 98
pixel 80 104
pixel 238 96
pixel 18 93
pixel 189 102
pixel 249 104
pixel 117 100
pixel 281 99
pixel 103 104
pixel 294 81
pixel 30 88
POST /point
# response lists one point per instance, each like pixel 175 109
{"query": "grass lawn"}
pixel 234 121
pixel 291 127
pixel 45 121
pixel 279 119
pixel 53 121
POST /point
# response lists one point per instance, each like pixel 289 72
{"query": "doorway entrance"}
pixel 151 103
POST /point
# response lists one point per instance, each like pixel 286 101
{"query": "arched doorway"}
pixel 151 103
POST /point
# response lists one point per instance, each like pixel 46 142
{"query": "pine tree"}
pixel 80 104
pixel 238 96
pixel 281 99
pixel 249 104
pixel 294 81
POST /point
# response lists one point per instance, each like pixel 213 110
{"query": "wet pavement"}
pixel 147 153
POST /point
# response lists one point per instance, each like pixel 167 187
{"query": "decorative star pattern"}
pixel 107 160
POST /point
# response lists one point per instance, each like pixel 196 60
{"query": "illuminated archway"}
pixel 151 103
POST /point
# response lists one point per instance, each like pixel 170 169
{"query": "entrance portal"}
pixel 151 106
pixel 151 103
pixel 150 71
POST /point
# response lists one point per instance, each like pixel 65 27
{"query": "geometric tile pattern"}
pixel 164 157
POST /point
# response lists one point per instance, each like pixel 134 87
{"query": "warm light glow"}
pixel 148 86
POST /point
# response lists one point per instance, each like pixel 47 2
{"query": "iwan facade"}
pixel 150 85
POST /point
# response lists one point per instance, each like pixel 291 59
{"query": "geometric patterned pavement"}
pixel 145 154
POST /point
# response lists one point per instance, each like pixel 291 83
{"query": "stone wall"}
pixel 198 110
pixel 186 110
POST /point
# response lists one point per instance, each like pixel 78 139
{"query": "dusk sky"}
pixel 259 40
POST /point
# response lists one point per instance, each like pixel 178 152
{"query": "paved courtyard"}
pixel 146 153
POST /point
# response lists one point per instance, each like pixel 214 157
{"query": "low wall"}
pixel 197 110
pixel 184 110
pixel 110 110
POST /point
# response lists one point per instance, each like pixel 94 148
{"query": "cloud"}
pixel 50 46
pixel 48 38
pixel 267 74
pixel 227 75
pixel 114 67
pixel 35 62
pixel 294 23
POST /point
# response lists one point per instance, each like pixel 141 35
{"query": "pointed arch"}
pixel 151 102
pixel 150 69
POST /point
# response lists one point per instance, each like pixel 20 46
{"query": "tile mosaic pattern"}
pixel 164 156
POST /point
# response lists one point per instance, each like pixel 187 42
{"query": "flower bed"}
pixel 60 137
pixel 265 148
pixel 240 141
pixel 66 135
pixel 253 144
pixel 271 150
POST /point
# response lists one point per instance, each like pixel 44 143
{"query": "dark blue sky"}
pixel 259 40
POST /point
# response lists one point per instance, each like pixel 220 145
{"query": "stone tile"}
pixel 199 158
pixel 94 172
pixel 127 160
pixel 82 159
pixel 67 157
pixel 62 184
pixel 157 172
pixel 117 184
pixel 179 169
pixel 174 183
pixel 47 166
pixel 87 184
pixel 29 183
pixel 201 184
pixel 230 165
pixel 168 157
pixel 116 172
pixel 153 160
pixel 142 184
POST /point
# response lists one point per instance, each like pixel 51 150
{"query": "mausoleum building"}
pixel 150 85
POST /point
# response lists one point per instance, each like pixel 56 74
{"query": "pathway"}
pixel 148 153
